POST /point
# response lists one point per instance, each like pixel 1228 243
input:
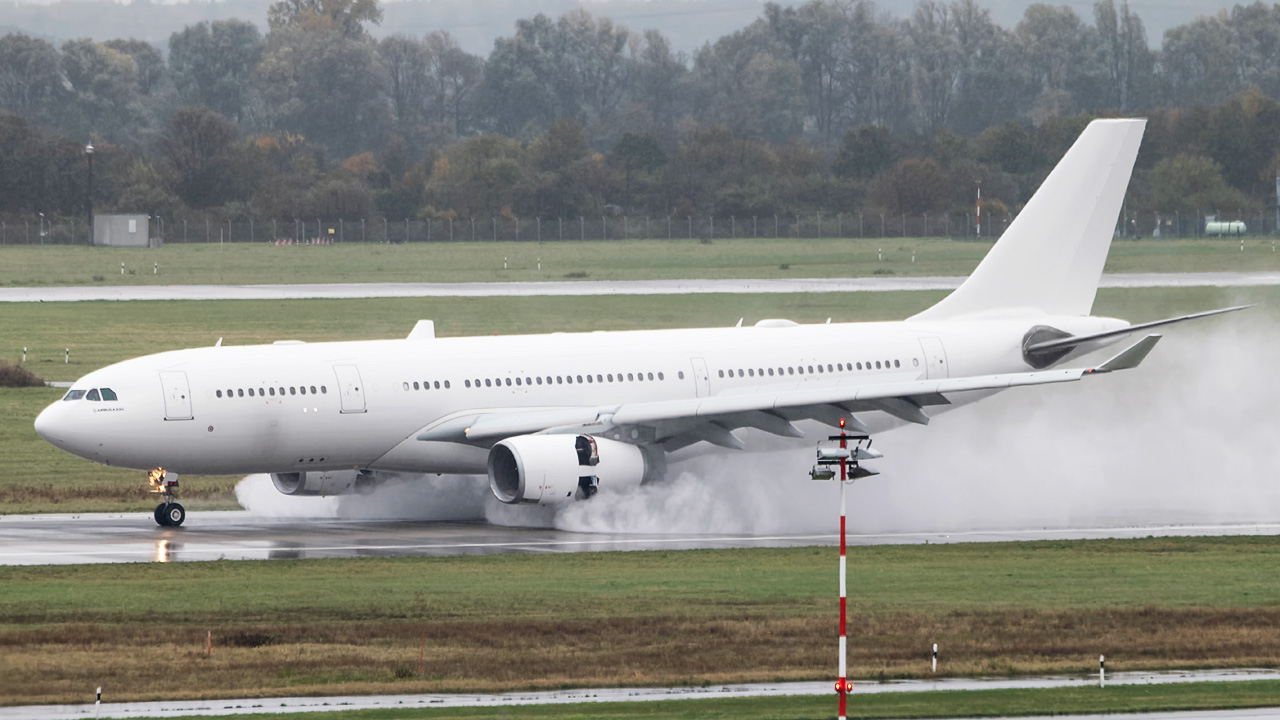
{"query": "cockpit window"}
pixel 73 395
pixel 109 395
pixel 93 395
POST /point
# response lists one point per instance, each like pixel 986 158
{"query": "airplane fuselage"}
pixel 292 407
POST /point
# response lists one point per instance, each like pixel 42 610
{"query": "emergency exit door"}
pixel 350 389
pixel 177 395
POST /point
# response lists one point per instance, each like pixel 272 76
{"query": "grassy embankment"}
pixel 592 260
pixel 36 477
pixel 502 623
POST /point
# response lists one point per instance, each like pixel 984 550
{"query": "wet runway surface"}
pixel 586 287
pixel 238 535
pixel 179 708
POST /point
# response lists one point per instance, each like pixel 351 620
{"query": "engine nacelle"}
pixel 558 469
pixel 325 483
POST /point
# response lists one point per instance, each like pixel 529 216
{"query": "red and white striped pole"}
pixel 842 685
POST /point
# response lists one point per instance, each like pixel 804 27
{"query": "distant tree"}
pixel 104 94
pixel 1009 147
pixel 937 64
pixel 346 17
pixel 1126 58
pixel 864 152
pixel 913 186
pixel 213 65
pixel 30 78
pixel 1193 183
pixel 636 153
pixel 328 87
pixel 200 152
pixel 147 62
pixel 747 82
pixel 453 79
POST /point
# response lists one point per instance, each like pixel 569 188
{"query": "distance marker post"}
pixel 935 658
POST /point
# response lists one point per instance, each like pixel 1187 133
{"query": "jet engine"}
pixel 325 483
pixel 558 469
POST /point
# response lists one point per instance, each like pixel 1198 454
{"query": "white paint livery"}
pixel 521 407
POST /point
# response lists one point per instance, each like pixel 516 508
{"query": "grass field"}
pixel 36 477
pixel 592 260
pixel 501 623
pixel 977 703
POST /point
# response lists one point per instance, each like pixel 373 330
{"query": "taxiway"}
pixel 585 287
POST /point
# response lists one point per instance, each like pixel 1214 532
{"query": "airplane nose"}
pixel 45 424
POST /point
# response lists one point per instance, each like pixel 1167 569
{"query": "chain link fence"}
pixel 318 231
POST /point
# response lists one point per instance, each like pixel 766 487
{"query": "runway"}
pixel 282 706
pixel 239 535
pixel 585 288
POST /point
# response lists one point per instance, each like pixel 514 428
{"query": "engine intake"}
pixel 325 483
pixel 558 469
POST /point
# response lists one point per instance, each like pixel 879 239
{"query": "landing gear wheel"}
pixel 170 514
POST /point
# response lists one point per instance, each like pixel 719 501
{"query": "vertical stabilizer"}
pixel 1051 257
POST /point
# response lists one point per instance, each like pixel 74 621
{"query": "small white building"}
pixel 122 231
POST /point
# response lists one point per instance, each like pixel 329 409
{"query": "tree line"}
pixel 827 106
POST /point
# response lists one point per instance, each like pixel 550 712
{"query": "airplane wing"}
pixel 678 423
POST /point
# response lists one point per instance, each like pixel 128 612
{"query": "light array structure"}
pixel 849 460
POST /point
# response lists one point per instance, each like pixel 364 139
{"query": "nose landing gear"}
pixel 168 513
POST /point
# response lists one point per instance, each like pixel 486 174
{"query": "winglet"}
pixel 1130 358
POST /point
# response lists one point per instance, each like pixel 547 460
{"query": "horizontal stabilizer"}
pixel 1131 357
pixel 1050 346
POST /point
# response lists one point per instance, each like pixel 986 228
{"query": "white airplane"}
pixel 555 418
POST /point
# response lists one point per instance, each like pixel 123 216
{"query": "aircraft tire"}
pixel 174 514
pixel 160 516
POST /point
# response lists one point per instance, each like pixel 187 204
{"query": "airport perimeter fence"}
pixel 704 228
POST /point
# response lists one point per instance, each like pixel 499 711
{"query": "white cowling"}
pixel 331 482
pixel 558 469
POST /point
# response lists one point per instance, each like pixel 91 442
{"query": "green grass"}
pixel 592 260
pixel 942 704
pixel 501 623
pixel 36 477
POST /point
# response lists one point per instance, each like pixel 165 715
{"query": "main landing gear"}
pixel 168 513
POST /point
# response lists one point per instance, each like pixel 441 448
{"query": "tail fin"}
pixel 1051 257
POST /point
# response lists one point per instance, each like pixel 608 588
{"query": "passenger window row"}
pixel 273 392
pixel 588 378
pixel 812 369
pixel 428 385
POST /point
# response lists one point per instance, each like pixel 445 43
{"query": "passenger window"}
pixel 539 379
pixel 415 385
pixel 599 378
pixel 560 379
pixel 446 384
pixel 590 379
pixel 313 389
pixel 630 377
pixel 877 364
pixel 282 391
pixel 791 371
pixel 771 372
pixel 611 377
pixel 406 386
pixel 721 373
pixel 840 367
pixel 467 383
pixel 240 392
pixel 273 392
pixel 324 389
pixel 109 395
pixel 859 366
pixel 251 394
pixel 93 395
pixel 508 382
pixel 681 374
pixel 293 390
pixel 488 382
pixel 580 379
pixel 218 393
pixel 302 390
pixel 660 377
pixel 751 372
pixel 897 364
pixel 650 376
pixel 518 382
